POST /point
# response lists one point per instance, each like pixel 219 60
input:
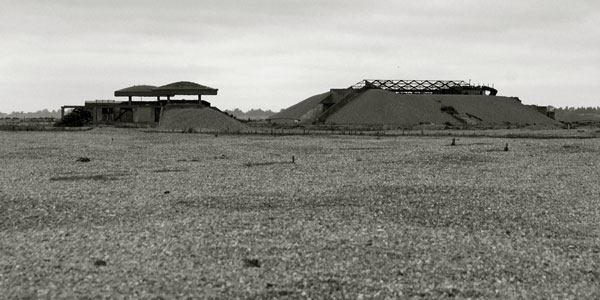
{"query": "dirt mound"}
pixel 379 107
pixel 302 110
pixel 198 118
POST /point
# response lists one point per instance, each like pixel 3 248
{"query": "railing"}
pixel 100 101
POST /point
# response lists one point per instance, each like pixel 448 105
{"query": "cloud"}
pixel 272 54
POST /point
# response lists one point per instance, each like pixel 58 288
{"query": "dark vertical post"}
pixel 129 100
pixel 62 112
pixel 199 98
pixel 168 99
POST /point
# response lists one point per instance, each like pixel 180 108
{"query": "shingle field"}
pixel 117 213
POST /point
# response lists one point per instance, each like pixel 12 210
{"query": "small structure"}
pixel 545 110
pixel 110 111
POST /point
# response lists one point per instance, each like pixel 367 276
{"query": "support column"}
pixel 129 100
pixel 62 112
pixel 168 99
pixel 199 99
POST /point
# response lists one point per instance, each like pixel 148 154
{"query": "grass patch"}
pixel 267 163
pixel 100 177
pixel 169 170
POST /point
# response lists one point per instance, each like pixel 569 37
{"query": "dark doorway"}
pixel 108 114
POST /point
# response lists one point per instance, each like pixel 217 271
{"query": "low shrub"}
pixel 77 118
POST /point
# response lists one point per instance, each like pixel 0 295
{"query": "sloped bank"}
pixel 198 118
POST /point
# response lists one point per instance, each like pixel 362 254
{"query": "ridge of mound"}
pixel 182 118
pixel 302 110
pixel 380 107
pixel 494 110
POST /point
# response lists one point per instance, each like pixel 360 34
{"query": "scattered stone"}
pixel 506 147
pixel 99 263
pixel 251 263
pixel 83 159
pixel 167 192
pixel 453 142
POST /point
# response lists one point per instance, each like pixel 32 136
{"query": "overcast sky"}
pixel 271 54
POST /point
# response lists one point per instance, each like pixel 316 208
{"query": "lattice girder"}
pixel 412 86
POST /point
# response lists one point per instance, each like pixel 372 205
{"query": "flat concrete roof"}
pixel 171 89
pixel 136 90
pixel 185 88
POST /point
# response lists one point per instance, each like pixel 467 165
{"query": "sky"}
pixel 270 54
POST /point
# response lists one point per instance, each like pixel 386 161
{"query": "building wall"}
pixel 146 112
pixel 97 114
pixel 143 114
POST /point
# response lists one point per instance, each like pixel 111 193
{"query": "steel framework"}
pixel 413 86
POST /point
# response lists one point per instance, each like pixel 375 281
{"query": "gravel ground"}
pixel 172 216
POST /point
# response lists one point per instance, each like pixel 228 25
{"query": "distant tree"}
pixel 250 114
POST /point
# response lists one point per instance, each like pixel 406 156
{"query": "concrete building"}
pixel 149 112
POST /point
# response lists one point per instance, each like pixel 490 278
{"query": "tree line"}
pixel 580 110
pixel 44 113
pixel 575 114
pixel 254 114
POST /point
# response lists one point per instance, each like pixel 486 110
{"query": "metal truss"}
pixel 413 86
